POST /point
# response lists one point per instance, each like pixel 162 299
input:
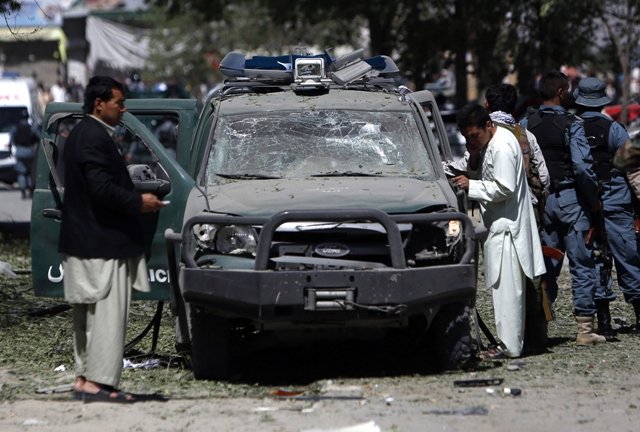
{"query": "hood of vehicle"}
pixel 267 197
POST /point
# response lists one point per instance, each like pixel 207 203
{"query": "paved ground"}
pixel 15 213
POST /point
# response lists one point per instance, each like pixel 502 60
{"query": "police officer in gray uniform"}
pixel 606 137
pixel 572 197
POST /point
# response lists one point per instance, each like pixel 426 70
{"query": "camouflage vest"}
pixel 533 175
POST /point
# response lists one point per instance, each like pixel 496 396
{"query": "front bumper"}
pixel 346 296
pixel 312 297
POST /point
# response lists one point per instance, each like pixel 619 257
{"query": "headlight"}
pixel 205 235
pixel 453 229
pixel 453 232
pixel 236 240
pixel 228 239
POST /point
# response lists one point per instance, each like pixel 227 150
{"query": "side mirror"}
pixel 145 180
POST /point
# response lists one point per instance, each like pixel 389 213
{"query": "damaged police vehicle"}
pixel 309 197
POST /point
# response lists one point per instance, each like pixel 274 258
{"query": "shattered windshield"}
pixel 317 143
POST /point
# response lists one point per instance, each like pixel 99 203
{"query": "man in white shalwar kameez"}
pixel 512 250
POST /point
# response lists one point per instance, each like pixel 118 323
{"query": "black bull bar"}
pixel 253 293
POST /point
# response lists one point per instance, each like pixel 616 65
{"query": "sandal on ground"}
pixel 493 354
pixel 104 395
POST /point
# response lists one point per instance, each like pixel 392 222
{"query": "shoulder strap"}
pixel 534 120
pixel 517 131
pixel 562 121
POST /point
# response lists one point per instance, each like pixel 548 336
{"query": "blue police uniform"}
pixel 608 137
pixel 618 222
pixel 573 192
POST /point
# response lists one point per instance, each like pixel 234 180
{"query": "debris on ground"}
pixel 7 270
pixel 147 364
pixel 64 388
pixel 369 426
pixel 474 410
pixel 478 382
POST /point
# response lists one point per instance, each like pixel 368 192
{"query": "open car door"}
pixel 429 106
pixel 153 166
pixel 437 128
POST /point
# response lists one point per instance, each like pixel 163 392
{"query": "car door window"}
pixel 436 129
pixel 63 128
pixel 432 114
pixel 130 146
pixel 164 126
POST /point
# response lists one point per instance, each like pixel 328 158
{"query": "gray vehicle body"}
pixel 334 245
pixel 294 211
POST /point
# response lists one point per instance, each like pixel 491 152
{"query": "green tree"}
pixel 471 34
pixel 178 54
pixel 479 43
pixel 483 37
pixel 342 21
pixel 547 34
pixel 9 6
pixel 188 44
pixel 208 10
pixel 621 18
pixel 418 34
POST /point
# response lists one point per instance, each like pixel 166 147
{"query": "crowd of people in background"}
pixel 60 91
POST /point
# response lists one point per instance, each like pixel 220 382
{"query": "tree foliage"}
pixel 621 18
pixel 9 6
pixel 485 38
pixel 548 34
pixel 189 44
pixel 208 10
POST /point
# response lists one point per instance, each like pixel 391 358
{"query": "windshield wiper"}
pixel 247 176
pixel 347 174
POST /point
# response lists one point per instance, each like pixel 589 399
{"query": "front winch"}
pixel 329 299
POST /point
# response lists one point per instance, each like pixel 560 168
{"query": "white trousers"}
pixel 100 327
pixel 509 300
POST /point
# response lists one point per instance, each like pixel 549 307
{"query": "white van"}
pixel 16 95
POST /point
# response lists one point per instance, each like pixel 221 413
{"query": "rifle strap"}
pixel 492 340
pixel 476 324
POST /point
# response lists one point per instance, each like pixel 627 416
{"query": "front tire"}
pixel 210 346
pixel 450 335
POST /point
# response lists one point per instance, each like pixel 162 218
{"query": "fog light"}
pixel 205 235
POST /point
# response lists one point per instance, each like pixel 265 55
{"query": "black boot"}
pixel 636 308
pixel 604 320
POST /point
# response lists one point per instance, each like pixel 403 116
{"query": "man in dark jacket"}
pixel 101 239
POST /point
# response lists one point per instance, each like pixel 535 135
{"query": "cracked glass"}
pixel 318 143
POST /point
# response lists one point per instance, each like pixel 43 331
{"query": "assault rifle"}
pixel 558 255
pixel 547 252
pixel 596 240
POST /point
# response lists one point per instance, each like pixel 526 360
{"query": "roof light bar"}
pixel 308 70
pixel 350 73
